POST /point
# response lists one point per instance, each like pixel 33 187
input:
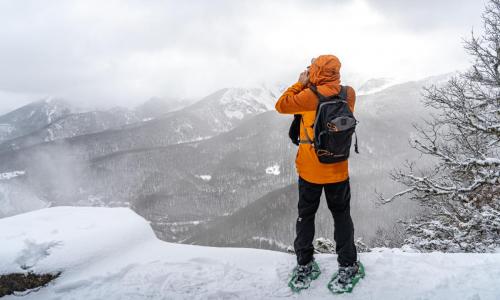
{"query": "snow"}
pixel 50 136
pixel 370 149
pixel 183 127
pixel 205 177
pixel 234 114
pixel 194 139
pixel 112 253
pixel 195 222
pixel 248 96
pixel 376 85
pixel 10 175
pixel 240 102
pixel 273 170
pixel 51 113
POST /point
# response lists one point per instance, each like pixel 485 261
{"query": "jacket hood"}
pixel 325 69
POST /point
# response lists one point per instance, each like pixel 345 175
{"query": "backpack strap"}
pixel 342 94
pixel 321 98
pixel 356 149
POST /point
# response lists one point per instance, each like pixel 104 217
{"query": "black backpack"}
pixel 333 128
pixel 294 131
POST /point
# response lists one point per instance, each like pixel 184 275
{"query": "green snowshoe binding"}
pixel 346 278
pixel 302 276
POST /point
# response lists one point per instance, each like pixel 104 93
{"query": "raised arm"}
pixel 296 99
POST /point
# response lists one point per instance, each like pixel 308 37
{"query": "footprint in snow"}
pixel 33 252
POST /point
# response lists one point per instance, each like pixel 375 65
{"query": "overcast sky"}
pixel 111 52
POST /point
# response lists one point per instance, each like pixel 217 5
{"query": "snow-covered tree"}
pixel 461 193
pixel 392 237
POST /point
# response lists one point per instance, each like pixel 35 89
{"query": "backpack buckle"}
pixel 332 127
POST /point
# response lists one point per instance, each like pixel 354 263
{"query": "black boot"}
pixel 344 280
pixel 303 275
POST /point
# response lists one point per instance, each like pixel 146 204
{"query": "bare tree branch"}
pixel 461 192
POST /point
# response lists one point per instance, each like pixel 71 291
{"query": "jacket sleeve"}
pixel 296 99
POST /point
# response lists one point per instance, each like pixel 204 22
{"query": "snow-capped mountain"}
pixel 111 253
pixel 375 85
pixel 216 113
pixel 74 124
pixel 64 121
pixel 228 107
pixel 32 117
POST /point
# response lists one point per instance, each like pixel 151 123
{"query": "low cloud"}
pixel 124 52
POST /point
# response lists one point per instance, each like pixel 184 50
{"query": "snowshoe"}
pixel 302 276
pixel 346 278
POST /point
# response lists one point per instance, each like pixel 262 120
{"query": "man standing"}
pixel 314 176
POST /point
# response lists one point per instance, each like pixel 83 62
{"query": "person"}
pixel 314 176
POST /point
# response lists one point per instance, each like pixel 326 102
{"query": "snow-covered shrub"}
pixel 324 245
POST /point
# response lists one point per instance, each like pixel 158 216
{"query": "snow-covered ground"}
pixel 112 253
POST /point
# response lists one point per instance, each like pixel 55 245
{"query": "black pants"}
pixel 338 197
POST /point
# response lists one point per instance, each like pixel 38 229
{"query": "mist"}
pixel 125 52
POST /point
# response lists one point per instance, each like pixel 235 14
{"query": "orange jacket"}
pixel 324 73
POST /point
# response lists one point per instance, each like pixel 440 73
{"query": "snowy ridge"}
pixel 375 85
pixel 112 253
pixel 54 119
pixel 239 102
pixel 248 96
pixel 226 108
pixel 32 117
pixel 54 109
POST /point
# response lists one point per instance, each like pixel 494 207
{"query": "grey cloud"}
pixel 124 52
pixel 425 14
pixel 53 47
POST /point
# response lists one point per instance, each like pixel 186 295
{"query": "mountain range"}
pixel 218 171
